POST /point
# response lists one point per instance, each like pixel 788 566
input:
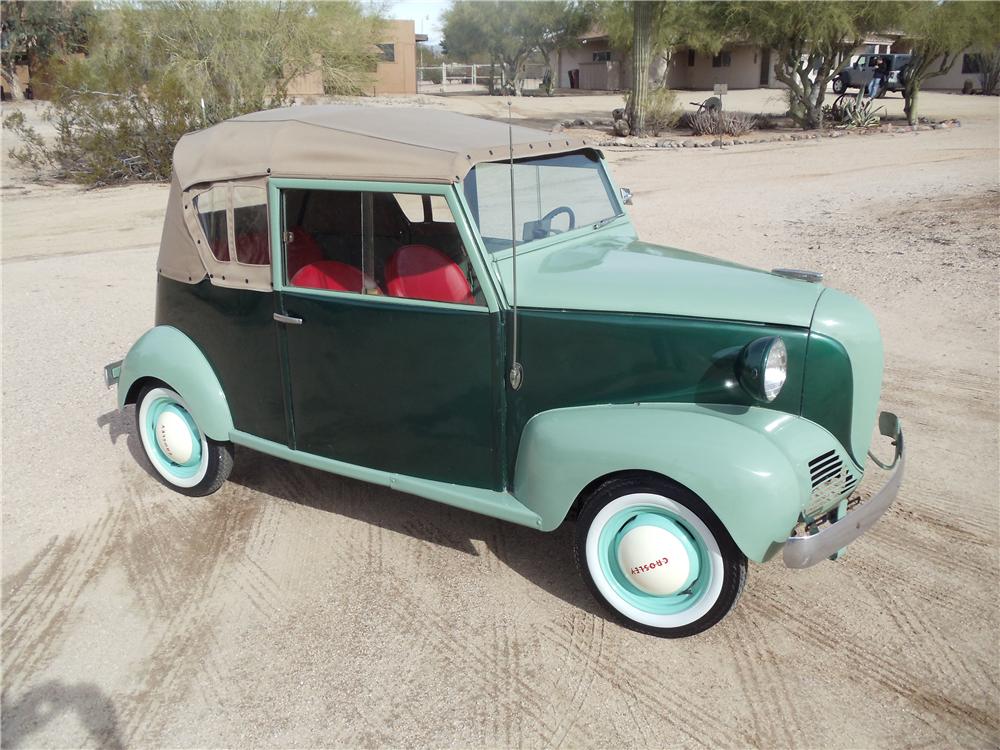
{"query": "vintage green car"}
pixel 461 310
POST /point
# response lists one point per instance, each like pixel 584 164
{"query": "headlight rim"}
pixel 751 367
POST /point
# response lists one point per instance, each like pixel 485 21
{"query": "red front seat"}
pixel 329 274
pixel 424 272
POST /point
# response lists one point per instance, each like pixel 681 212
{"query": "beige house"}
pixel 596 65
pixel 396 72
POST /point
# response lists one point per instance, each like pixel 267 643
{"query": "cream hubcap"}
pixel 654 560
pixel 174 437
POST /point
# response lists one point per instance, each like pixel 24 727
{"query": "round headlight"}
pixel 762 367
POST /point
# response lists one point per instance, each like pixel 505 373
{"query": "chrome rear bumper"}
pixel 809 549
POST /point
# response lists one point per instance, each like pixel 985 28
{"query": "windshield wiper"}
pixel 603 222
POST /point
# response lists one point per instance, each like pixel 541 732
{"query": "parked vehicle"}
pixel 859 73
pixel 463 312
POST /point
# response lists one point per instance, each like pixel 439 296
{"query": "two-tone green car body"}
pixel 463 311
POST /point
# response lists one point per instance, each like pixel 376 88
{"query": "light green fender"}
pixel 167 354
pixel 750 465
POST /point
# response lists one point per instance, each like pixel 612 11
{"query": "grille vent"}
pixel 831 483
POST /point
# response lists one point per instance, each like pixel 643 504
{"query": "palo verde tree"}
pixel 939 34
pixel 33 33
pixel 157 70
pixel 813 41
pixel 511 32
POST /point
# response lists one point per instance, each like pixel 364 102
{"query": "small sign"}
pixel 720 89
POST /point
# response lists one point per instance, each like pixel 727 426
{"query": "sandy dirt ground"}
pixel 295 608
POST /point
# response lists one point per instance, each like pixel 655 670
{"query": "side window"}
pixel 428 259
pixel 250 225
pixel 211 208
pixel 323 239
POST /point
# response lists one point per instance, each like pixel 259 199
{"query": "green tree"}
pixel 812 40
pixel 157 70
pixel 511 32
pixel 35 32
pixel 939 33
pixel 986 43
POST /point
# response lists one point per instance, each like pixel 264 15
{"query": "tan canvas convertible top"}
pixel 354 142
pixel 345 142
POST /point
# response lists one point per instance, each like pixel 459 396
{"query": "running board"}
pixel 500 505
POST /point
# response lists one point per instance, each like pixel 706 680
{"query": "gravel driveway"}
pixel 295 608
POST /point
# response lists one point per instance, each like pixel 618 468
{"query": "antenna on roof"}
pixel 516 374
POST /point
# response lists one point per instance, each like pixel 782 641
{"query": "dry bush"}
pixel 155 71
pixel 721 123
pixel 662 110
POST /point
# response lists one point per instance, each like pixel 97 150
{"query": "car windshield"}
pixel 553 194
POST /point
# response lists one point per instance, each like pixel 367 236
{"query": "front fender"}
pixel 750 465
pixel 166 354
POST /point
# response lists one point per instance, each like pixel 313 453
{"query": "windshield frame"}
pixel 619 218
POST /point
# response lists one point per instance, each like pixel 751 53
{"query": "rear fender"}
pixel 164 353
pixel 749 465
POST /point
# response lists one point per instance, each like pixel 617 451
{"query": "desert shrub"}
pixel 662 110
pixel 157 70
pixel 721 123
pixel 767 122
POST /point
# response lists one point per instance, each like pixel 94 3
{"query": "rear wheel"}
pixel 184 458
pixel 653 553
pixel 839 87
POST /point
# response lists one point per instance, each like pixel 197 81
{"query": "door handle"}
pixel 288 319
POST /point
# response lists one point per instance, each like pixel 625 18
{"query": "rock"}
pixel 728 142
pixel 566 123
pixel 686 144
pixel 618 114
pixel 664 144
pixel 620 142
pixel 621 127
pixel 795 137
pixel 717 142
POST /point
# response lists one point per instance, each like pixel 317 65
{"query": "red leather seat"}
pixel 424 272
pixel 302 250
pixel 329 274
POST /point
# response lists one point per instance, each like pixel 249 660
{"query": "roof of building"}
pixel 354 142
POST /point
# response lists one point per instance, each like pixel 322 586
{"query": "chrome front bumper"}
pixel 809 549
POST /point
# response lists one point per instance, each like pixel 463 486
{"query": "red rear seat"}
pixel 302 250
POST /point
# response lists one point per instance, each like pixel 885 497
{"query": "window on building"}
pixel 388 52
pixel 603 56
pixel 970 64
pixel 722 60
pixel 690 58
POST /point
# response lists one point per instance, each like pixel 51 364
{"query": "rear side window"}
pixel 250 225
pixel 211 208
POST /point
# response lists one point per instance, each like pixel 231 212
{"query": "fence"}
pixel 458 77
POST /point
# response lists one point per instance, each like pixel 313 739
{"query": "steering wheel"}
pixel 546 221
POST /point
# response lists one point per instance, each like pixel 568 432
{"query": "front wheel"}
pixel 655 555
pixel 185 459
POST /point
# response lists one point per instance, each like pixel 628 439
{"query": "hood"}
pixel 611 271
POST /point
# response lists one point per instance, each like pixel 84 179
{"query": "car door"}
pixel 379 374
